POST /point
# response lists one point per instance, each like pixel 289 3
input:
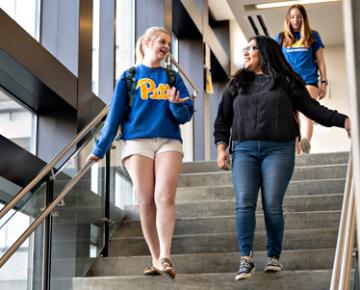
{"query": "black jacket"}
pixel 266 113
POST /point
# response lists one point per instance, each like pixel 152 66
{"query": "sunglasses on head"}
pixel 249 48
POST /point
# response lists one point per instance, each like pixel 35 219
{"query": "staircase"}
pixel 205 250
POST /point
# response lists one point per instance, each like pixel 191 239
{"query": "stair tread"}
pixel 205 250
pixel 287 232
pixel 342 164
pixel 305 280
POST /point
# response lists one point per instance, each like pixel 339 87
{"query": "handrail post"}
pixel 348 242
pixel 47 249
pixel 105 251
pixel 356 285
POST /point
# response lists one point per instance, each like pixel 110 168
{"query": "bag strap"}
pixel 131 83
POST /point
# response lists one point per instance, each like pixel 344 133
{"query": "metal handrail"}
pixel 340 278
pixel 45 213
pixel 50 166
pixel 348 244
pixel 184 73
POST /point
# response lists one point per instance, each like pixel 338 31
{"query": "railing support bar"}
pixel 48 236
pixel 348 243
pixel 107 206
pixel 340 242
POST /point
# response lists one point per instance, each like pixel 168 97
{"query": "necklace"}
pixel 148 72
pixel 152 72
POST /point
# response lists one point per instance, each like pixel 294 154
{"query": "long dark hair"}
pixel 273 63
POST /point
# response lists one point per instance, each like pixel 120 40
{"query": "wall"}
pixel 237 42
pixel 333 139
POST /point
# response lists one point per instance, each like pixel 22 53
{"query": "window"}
pixel 95 47
pixel 26 13
pixel 17 123
pixel 125 36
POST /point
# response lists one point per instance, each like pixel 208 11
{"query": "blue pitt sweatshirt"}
pixel 151 114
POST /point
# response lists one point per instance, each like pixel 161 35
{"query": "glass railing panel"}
pixel 78 227
pixel 8 189
pixel 121 191
pixel 24 270
pixel 16 221
pixel 79 221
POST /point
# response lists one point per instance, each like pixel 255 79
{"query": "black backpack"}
pixel 131 81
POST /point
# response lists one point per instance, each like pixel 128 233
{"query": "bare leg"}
pixel 141 170
pixel 306 124
pixel 167 171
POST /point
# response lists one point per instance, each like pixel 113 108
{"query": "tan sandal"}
pixel 305 145
pixel 164 267
pixel 150 271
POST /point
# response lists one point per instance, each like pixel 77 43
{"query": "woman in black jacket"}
pixel 258 109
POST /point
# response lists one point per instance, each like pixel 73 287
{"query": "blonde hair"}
pixel 150 34
pixel 306 34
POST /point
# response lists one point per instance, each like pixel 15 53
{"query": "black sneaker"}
pixel 273 265
pixel 245 269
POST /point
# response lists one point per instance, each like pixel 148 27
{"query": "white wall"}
pixel 237 42
pixel 333 139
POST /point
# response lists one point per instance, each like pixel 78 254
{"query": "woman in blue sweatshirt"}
pixel 258 109
pixel 304 51
pixel 152 152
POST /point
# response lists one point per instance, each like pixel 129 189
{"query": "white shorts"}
pixel 149 147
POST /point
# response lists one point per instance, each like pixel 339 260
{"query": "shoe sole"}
pixel 151 273
pixel 272 269
pixel 167 275
pixel 244 276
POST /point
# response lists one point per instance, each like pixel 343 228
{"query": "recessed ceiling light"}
pixel 289 3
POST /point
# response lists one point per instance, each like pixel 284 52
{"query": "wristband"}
pixel 324 82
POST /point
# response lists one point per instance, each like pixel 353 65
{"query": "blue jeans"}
pixel 267 165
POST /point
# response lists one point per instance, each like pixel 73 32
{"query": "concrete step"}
pixel 227 207
pixel 226 224
pixel 300 187
pixel 228 262
pixel 85 215
pixel 62 268
pixel 303 160
pixel 226 242
pixel 286 280
pixel 300 173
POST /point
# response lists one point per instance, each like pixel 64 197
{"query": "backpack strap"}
pixel 281 38
pixel 131 83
